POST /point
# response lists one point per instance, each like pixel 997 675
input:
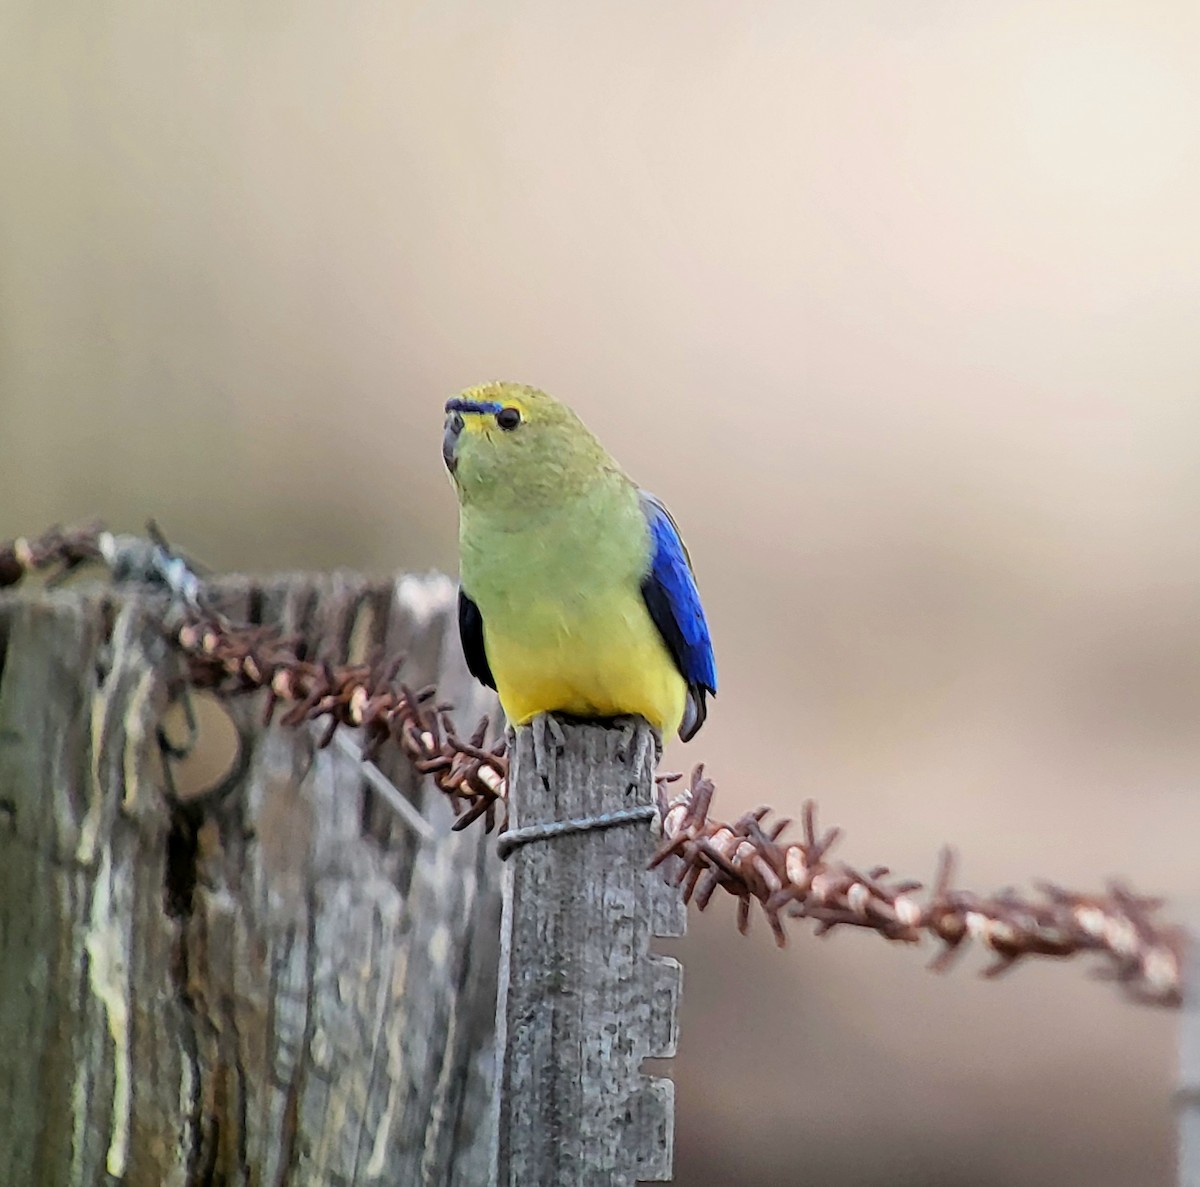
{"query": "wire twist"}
pixel 514 838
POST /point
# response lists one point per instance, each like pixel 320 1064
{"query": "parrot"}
pixel 576 593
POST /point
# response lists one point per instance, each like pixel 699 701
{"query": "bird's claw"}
pixel 640 742
pixel 549 741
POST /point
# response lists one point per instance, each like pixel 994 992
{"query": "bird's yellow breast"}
pixel 601 658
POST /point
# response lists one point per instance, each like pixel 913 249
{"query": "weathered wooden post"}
pixel 582 1001
pixel 274 984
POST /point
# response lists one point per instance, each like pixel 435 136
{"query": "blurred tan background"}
pixel 893 301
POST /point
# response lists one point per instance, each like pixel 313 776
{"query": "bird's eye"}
pixel 508 418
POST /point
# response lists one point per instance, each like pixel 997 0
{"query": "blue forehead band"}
pixel 488 406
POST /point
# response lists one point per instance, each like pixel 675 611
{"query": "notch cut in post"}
pixel 583 1001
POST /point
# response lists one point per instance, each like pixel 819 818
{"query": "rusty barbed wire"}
pixel 749 858
pixel 231 659
pixel 55 552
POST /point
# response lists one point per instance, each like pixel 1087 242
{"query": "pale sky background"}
pixel 894 302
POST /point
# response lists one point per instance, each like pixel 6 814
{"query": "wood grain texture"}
pixel 583 1002
pixel 274 985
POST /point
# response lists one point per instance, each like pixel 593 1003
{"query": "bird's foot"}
pixel 640 742
pixel 549 741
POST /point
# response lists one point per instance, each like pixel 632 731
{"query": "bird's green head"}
pixel 508 445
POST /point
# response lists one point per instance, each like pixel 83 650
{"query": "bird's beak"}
pixel 454 428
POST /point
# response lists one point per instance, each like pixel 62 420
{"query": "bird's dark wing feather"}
pixel 470 631
pixel 669 590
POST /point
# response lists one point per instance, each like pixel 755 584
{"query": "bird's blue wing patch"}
pixel 669 590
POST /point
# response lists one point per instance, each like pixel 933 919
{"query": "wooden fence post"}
pixel 277 985
pixel 582 1000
